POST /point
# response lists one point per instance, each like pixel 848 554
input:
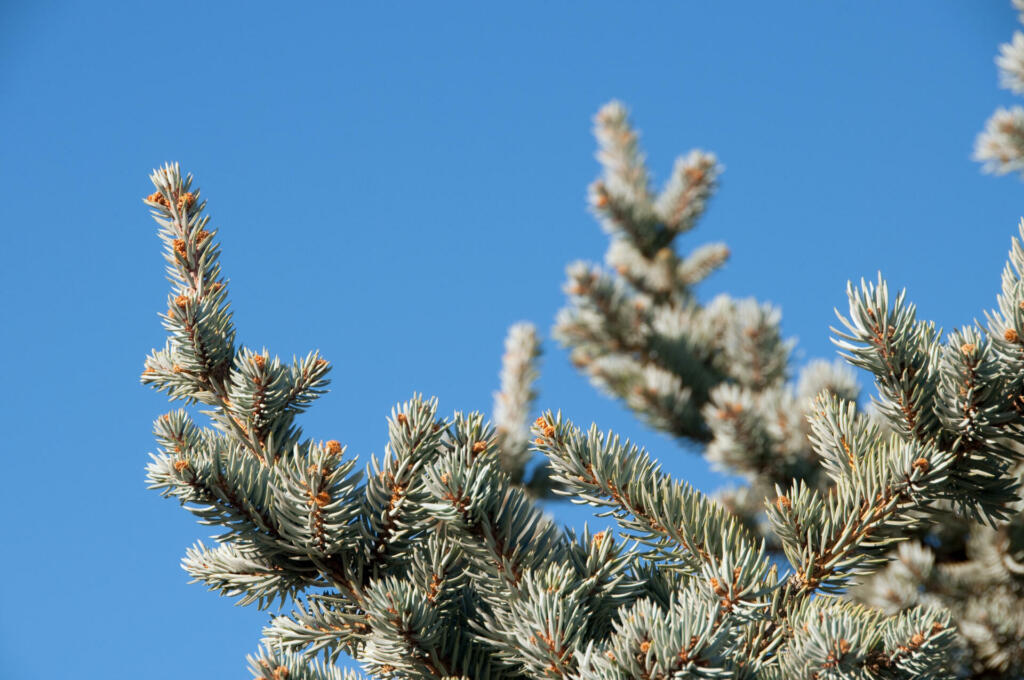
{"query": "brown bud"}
pixel 333 447
pixel 734 409
pixel 180 465
pixel 478 447
pixel 157 197
pixel 844 646
pixel 917 640
pixel 1011 335
pixel 694 175
pixel 645 646
pixel 179 247
pixel 259 360
pixel 968 348
pixel 921 464
pixel 782 503
pixel 181 301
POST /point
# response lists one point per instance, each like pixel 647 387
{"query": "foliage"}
pixel 913 502
pixel 1001 145
pixel 885 542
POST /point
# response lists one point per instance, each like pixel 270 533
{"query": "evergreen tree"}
pixel 899 526
pixel 720 375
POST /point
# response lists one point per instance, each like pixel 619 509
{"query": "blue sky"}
pixel 395 183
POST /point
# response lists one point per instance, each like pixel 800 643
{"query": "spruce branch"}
pixel 976 418
pixel 1000 146
pixel 272 664
pixel 638 330
pixel 234 571
pixel 841 435
pixel 496 525
pixel 548 622
pixel 846 641
pixel 701 263
pixel 316 501
pixel 409 629
pixel 201 346
pixel 623 194
pixel 849 532
pixel 324 625
pixel 677 523
pixel 1006 324
pixel 900 351
pixel 394 490
pixel 691 638
pixel 513 402
pixel 684 198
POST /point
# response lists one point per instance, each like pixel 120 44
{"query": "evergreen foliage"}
pixel 1001 145
pixel 885 542
pixel 914 502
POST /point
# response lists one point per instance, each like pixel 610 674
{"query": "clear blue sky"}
pixel 395 183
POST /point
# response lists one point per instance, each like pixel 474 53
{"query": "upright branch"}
pixel 718 373
pixel 1000 146
pixel 513 402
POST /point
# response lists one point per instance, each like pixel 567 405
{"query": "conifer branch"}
pixel 271 664
pixel 439 563
pixel 678 523
pixel 234 571
pixel 513 402
pixel 1000 147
